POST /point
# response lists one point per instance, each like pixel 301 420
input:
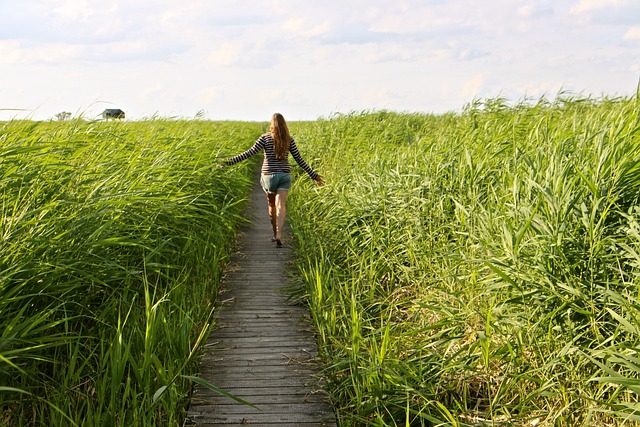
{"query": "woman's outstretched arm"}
pixel 255 149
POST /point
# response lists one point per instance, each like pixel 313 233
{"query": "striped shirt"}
pixel 270 164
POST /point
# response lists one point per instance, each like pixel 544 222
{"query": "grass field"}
pixel 470 269
pixel 477 268
pixel 114 236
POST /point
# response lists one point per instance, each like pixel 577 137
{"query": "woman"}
pixel 275 176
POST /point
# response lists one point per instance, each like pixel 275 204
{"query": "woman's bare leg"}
pixel 281 212
pixel 271 199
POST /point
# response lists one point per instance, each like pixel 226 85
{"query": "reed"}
pixel 114 236
pixel 476 268
pixel 464 269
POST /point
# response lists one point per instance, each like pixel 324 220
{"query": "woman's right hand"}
pixel 319 180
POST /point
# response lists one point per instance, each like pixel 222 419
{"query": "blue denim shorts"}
pixel 276 181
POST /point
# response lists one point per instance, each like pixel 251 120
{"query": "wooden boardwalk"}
pixel 262 349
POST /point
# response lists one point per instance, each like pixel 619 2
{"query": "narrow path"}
pixel 262 349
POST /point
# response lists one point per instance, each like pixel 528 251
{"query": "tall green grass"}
pixel 477 268
pixel 463 269
pixel 113 238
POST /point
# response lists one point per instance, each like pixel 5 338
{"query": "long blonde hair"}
pixel 281 136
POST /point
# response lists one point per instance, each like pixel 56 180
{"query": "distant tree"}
pixel 65 115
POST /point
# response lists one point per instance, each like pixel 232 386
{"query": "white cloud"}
pixel 632 34
pixel 534 11
pixel 610 12
pixel 242 59
pixel 460 52
pixel 10 52
pixel 590 5
pixel 280 98
pixel 72 10
pixel 377 98
pixel 393 53
pixel 306 27
pixel 473 86
pixel 244 54
pixel 538 89
pixel 227 54
pixel 469 54
pixel 14 52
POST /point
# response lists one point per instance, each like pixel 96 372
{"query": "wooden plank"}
pixel 263 347
pixel 239 315
pixel 240 358
pixel 266 419
pixel 232 323
pixel 282 357
pixel 297 411
pixel 287 414
pixel 252 353
pixel 262 424
pixel 266 370
pixel 276 385
pixel 257 395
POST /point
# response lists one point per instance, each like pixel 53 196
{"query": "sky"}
pixel 245 60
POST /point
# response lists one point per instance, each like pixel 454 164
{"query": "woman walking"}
pixel 275 177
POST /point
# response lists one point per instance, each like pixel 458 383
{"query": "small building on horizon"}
pixel 113 113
